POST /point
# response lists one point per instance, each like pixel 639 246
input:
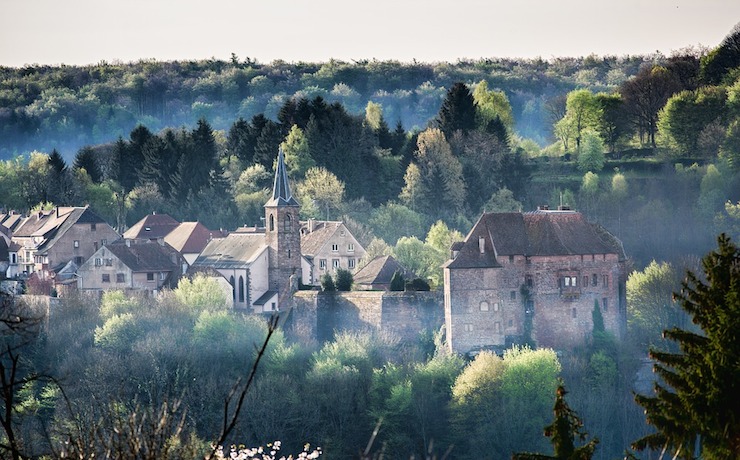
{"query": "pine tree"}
pixel 563 431
pixel 457 112
pixel 85 159
pixel 695 402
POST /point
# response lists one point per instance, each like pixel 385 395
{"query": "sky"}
pixel 80 32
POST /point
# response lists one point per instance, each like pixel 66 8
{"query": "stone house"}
pixel 132 265
pixel 263 265
pixel 327 246
pixel 533 276
pixel 49 240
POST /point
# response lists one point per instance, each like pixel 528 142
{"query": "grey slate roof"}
pixel 236 250
pixel 144 255
pixel 56 224
pixel 312 242
pixel 538 233
pixel 281 195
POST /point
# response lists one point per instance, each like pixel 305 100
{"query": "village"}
pixel 517 278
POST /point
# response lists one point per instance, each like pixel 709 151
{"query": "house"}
pixel 262 264
pixel 48 240
pixel 131 265
pixel 327 246
pixel 534 276
pixel 151 226
pixel 378 273
pixel 189 239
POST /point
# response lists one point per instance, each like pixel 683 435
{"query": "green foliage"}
pixel 327 283
pixel 118 332
pixel 201 293
pixel 344 280
pixel 322 188
pixel 695 401
pixel 115 303
pixel 502 201
pixel 457 112
pixel 592 156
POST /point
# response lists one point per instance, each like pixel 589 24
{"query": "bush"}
pixel 344 280
pixel 418 284
pixel 327 283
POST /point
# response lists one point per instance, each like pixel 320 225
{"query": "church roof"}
pixel 281 195
pixel 539 233
pixel 237 250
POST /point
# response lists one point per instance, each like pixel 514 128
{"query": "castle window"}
pixel 288 253
pixel 513 295
pixel 272 223
pixel 585 280
pixel 497 327
pixel 511 259
pixel 605 280
pixel 529 308
pixel 468 327
pixel 575 313
pixel 484 306
pixel 605 304
pixel 529 281
pixel 495 306
pixel 241 288
pixel 594 279
pixel 511 323
pixel 286 223
pixel 570 281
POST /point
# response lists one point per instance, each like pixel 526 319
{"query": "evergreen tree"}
pixel 457 111
pixel 563 431
pixel 240 141
pixel 85 159
pixel 122 167
pixel 57 163
pixel 344 280
pixel 695 402
pixel 138 140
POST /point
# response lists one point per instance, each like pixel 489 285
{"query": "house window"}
pixel 513 295
pixel 511 259
pixel 79 260
pixel 341 233
pixel 605 304
pixel 103 242
pixel 273 307
pixel 98 262
pixel 594 279
pixel 150 276
pixel 351 247
pixel 468 327
pixel 322 264
pixel 484 306
pixel 120 278
pixel 334 247
pixel 497 327
pixel 335 263
pixel 92 227
pixel 14 258
pixel 570 281
pixel 351 263
pixel 162 276
pixel 76 243
pixel 108 262
pixel 106 278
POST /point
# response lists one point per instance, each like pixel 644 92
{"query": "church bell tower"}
pixel 282 233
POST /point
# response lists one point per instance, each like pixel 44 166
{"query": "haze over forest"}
pixel 408 154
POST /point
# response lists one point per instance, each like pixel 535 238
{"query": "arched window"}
pixel 286 223
pixel 272 223
pixel 241 288
pixel 233 288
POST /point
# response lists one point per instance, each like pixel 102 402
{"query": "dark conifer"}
pixel 457 111
pixel 85 159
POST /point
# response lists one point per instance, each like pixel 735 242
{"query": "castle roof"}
pixel 281 195
pixel 152 226
pixel 538 233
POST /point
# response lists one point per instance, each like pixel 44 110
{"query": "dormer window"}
pixel 334 247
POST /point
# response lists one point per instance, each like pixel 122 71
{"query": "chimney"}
pixel 128 242
pixel 311 222
pixel 481 244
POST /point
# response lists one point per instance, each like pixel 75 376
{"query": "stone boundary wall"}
pixel 406 314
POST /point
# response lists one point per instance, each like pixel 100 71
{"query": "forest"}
pixel 408 155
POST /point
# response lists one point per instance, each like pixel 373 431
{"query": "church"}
pixel 262 265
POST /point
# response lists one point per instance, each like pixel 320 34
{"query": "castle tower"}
pixel 282 233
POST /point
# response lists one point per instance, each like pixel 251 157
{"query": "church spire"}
pixel 281 195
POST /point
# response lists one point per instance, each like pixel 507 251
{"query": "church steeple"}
pixel 281 195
